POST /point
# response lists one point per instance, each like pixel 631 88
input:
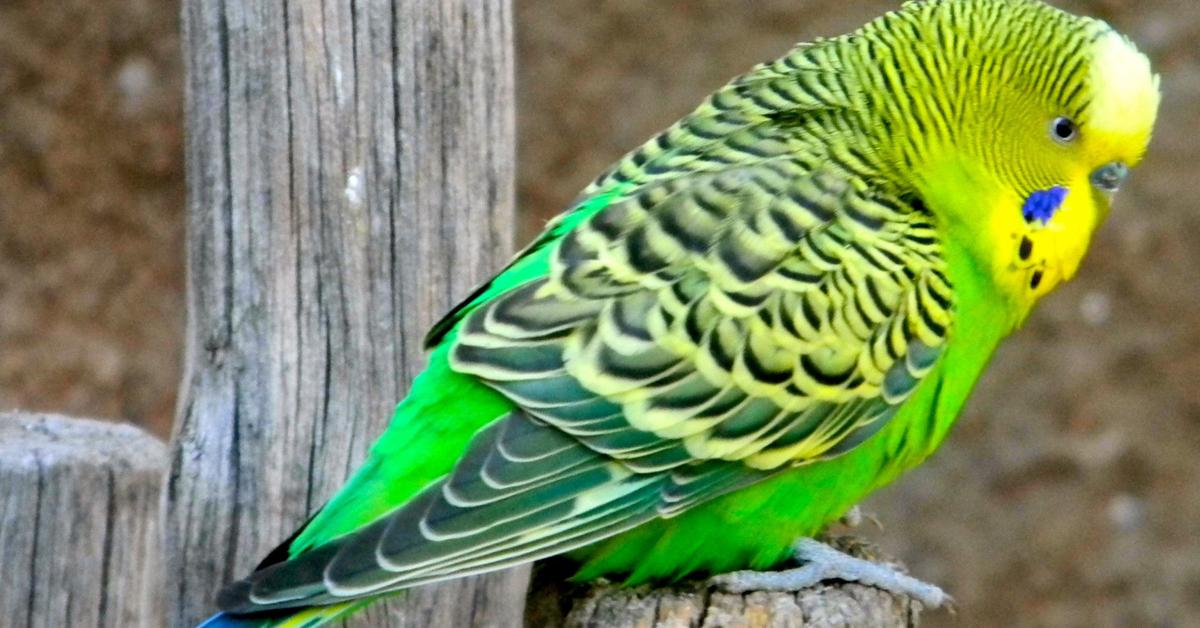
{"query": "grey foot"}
pixel 820 563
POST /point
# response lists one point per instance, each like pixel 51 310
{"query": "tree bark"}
pixel 350 174
pixel 79 523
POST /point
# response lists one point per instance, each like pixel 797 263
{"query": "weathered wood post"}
pixel 79 523
pixel 350 174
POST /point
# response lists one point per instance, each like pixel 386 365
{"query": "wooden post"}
pixel 555 603
pixel 350 175
pixel 834 605
pixel 79 524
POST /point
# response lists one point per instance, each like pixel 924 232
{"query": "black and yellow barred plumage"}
pixel 765 314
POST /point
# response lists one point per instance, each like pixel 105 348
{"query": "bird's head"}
pixel 1036 119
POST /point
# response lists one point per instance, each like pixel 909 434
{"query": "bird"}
pixel 747 324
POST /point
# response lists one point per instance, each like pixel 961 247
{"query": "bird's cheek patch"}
pixel 1043 204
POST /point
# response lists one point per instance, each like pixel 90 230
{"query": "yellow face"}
pixel 1044 206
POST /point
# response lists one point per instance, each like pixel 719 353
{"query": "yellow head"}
pixel 1033 120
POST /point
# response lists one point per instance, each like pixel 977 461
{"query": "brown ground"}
pixel 91 208
pixel 1065 498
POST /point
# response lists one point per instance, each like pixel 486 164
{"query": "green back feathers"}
pixel 430 429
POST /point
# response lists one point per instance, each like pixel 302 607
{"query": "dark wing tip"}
pixel 294 583
pixel 235 597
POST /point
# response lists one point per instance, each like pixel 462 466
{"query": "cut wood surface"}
pixel 555 603
pixel 829 606
pixel 79 525
pixel 350 176
pixel 832 606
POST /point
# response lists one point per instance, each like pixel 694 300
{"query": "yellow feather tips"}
pixel 320 615
pixel 1126 96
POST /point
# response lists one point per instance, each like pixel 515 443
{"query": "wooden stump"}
pixel 555 603
pixel 699 606
pixel 79 527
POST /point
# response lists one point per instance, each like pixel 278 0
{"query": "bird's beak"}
pixel 1108 178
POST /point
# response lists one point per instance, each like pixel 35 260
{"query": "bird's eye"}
pixel 1063 129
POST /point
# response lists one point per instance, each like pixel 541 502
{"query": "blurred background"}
pixel 1068 495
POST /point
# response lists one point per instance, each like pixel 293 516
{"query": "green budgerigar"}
pixel 747 324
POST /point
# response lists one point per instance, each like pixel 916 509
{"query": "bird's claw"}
pixel 821 563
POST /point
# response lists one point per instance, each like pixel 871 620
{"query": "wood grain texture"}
pixel 556 602
pixel 79 524
pixel 836 605
pixel 350 175
pixel 820 607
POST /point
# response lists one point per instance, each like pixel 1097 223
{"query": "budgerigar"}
pixel 747 324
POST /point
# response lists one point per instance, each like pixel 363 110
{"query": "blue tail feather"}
pixel 310 617
pixel 225 620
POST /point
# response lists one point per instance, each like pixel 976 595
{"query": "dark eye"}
pixel 1063 129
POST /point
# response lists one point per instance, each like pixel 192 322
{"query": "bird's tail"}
pixel 302 617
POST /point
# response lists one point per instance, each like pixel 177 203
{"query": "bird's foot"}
pixel 820 562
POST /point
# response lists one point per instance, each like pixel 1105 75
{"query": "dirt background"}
pixel 1067 496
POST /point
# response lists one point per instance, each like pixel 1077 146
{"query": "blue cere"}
pixel 1042 204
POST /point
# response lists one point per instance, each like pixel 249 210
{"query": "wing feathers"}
pixel 695 336
pixel 465 524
